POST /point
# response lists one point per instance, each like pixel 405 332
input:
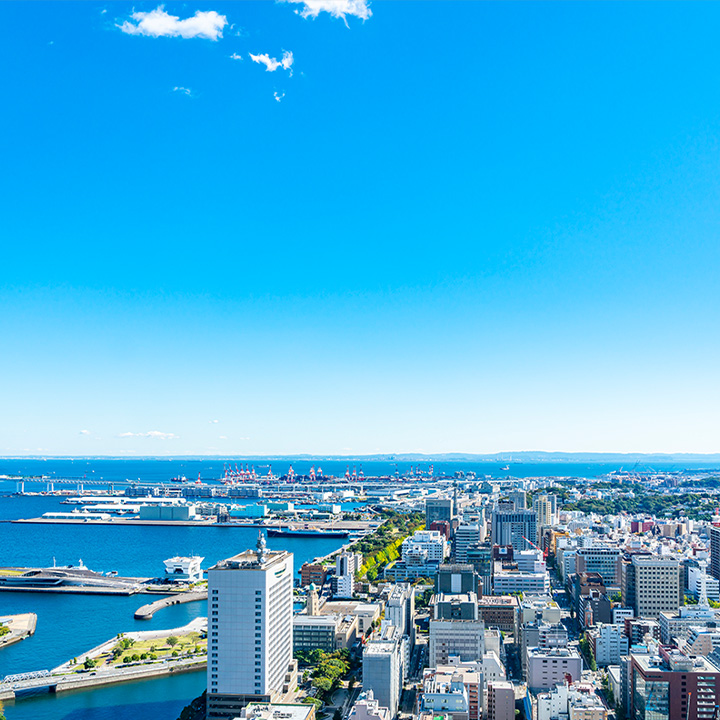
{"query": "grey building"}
pixel 438 509
pixel 514 527
pixel 456 578
pixel 383 668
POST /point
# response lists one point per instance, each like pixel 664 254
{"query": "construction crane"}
pixel 529 542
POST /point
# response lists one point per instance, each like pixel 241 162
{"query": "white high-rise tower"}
pixel 250 609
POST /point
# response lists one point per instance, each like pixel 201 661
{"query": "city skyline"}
pixel 354 228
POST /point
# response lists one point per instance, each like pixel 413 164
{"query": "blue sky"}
pixel 437 227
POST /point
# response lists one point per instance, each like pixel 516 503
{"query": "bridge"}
pixel 15 686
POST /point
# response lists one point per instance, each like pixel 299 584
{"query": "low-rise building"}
pixel 548 667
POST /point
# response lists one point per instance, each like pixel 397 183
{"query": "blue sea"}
pixel 68 625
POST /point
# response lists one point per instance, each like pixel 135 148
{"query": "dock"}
pixel 147 611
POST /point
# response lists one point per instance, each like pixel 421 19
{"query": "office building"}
pixel 466 535
pixel 250 626
pixel 455 629
pixel 500 612
pixel 651 584
pixel 548 667
pixel 400 610
pixel 367 707
pixel 383 668
pixel 671 686
pixel 480 557
pixel 545 508
pixel 456 578
pixel 715 551
pixel 514 527
pixel 438 509
pixel 500 701
pixel 609 643
pixel 601 559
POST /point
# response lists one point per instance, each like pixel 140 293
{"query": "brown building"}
pixel 500 612
pixel 312 573
pixel 672 686
pixel 500 701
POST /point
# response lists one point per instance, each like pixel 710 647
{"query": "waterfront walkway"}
pixel 147 611
pixel 65 676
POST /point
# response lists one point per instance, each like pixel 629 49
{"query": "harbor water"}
pixel 70 624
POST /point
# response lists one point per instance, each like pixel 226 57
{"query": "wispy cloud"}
pixel 84 432
pixel 183 90
pixel 336 8
pixel 158 23
pixel 235 56
pixel 213 422
pixel 271 64
pixel 279 96
pixel 156 434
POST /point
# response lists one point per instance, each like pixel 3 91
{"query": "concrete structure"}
pixel 500 701
pixel 312 574
pixel 715 551
pixel 509 581
pixel 315 632
pixel 547 668
pixel 383 668
pixel 400 610
pixel 444 692
pixel 250 608
pixel 462 606
pixel 456 578
pixel 348 563
pixel 545 507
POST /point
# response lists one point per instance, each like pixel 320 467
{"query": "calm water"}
pixel 161 470
pixel 68 625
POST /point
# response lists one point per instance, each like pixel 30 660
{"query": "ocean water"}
pixel 69 625
pixel 157 470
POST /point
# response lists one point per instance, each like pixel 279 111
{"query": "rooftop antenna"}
pixel 261 548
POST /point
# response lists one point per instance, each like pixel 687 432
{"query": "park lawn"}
pixel 185 644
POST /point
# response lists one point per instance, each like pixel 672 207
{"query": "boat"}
pixel 309 532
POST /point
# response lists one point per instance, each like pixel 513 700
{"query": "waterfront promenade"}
pixel 66 676
pixel 20 626
pixel 147 611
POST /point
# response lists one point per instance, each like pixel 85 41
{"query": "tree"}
pixel 89 663
pixel 173 640
pixel 337 715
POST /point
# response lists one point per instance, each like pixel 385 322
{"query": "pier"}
pixel 147 611
pixel 20 626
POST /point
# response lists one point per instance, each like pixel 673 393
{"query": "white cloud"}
pixel 214 422
pixel 156 434
pixel 337 8
pixel 84 432
pixel 279 97
pixel 271 64
pixel 158 23
pixel 222 437
pixel 183 90
pixel 235 56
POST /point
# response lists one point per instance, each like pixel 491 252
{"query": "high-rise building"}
pixel 455 629
pixel 602 559
pixel 456 578
pixel 465 536
pixel 651 584
pixel 715 551
pixel 383 668
pixel 544 506
pixel 500 701
pixel 250 626
pixel 519 499
pixel 400 610
pixel 514 527
pixel 438 509
pixel 481 558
